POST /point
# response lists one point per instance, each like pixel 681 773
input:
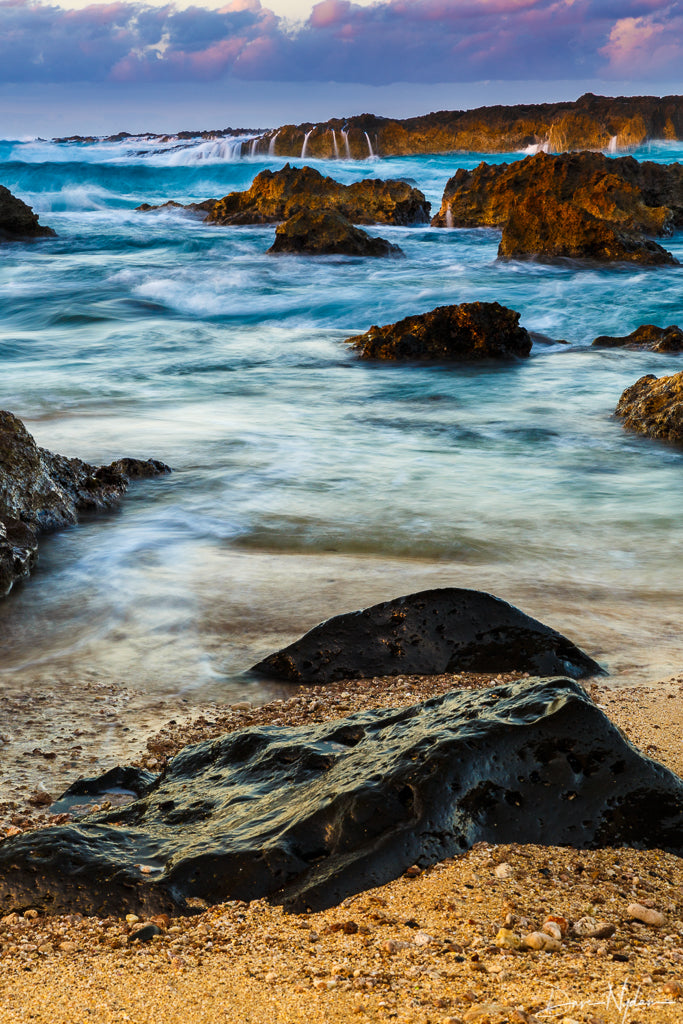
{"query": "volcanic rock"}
pixel 43 491
pixel 647 336
pixel 591 122
pixel 18 221
pixel 654 406
pixel 307 816
pixel 434 631
pixel 469 332
pixel 277 195
pixel 203 208
pixel 325 233
pixel 542 227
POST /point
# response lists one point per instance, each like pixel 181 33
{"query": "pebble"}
pixel 504 870
pixel 507 939
pixel 552 929
pixel 673 988
pixel 540 940
pixel 637 912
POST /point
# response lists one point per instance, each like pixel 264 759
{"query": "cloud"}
pixel 395 40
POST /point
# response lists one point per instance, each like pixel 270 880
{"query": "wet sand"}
pixel 419 950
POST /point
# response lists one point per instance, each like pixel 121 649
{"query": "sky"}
pixel 282 60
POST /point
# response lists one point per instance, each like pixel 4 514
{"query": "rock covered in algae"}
pixel 647 336
pixel 276 195
pixel 18 221
pixel 469 332
pixel 307 816
pixel 43 491
pixel 443 630
pixel 654 406
pixel 327 233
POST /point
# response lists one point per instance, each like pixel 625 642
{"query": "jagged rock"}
pixel 18 221
pixel 654 406
pixel 325 233
pixel 643 196
pixel 277 195
pixel 591 122
pixel 43 491
pixel 203 208
pixel 582 205
pixel 466 333
pixel 542 227
pixel 310 815
pixel 647 336
pixel 18 552
pixel 434 631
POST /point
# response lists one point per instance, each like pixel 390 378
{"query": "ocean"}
pixel 307 483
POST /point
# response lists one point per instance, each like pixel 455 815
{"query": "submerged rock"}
pixel 310 815
pixel 277 195
pixel 206 206
pixel 327 233
pixel 43 491
pixel 466 333
pixel 434 631
pixel 654 406
pixel 18 221
pixel 647 336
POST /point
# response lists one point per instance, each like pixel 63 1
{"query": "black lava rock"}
pixel 435 631
pixel 309 815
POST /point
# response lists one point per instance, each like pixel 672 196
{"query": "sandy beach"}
pixel 420 949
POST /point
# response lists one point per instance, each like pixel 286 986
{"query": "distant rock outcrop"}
pixel 327 233
pixel 307 816
pixel 581 205
pixel 654 406
pixel 647 336
pixel 203 208
pixel 591 122
pixel 277 195
pixel 468 332
pixel 42 491
pixel 435 631
pixel 18 222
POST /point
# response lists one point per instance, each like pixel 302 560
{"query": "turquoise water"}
pixel 305 482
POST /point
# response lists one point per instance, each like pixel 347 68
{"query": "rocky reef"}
pixel 41 491
pixel 654 406
pixel 200 209
pixel 18 222
pixel 277 195
pixel 434 631
pixel 591 122
pixel 647 336
pixel 582 205
pixel 469 332
pixel 327 233
pixel 307 816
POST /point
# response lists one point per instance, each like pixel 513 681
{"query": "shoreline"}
pixel 418 950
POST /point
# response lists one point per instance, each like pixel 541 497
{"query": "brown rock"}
pixel 647 336
pixel 18 221
pixel 543 227
pixel 327 233
pixel 654 406
pixel 277 195
pixel 588 123
pixel 466 333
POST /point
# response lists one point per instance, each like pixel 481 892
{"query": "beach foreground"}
pixel 419 949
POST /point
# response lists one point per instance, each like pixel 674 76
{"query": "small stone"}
pixel 144 934
pixel 412 872
pixel 504 870
pixel 270 978
pixel 561 922
pixel 637 912
pixel 540 941
pixel 423 939
pixel 132 918
pixel 392 946
pixel 507 939
pixel 31 915
pixel 673 988
pixel 67 947
pixel 553 929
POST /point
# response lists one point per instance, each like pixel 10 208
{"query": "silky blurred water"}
pixel 306 483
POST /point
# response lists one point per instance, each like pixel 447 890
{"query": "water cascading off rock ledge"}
pixel 307 816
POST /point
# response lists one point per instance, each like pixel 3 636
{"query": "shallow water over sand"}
pixel 305 483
